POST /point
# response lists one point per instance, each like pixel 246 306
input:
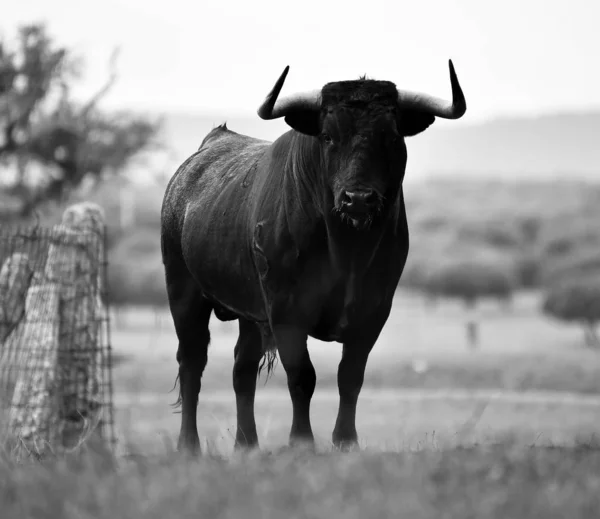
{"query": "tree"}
pixel 51 142
pixel 566 235
pixel 470 280
pixel 583 260
pixel 136 276
pixel 576 300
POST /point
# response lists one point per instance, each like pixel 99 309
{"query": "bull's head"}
pixel 361 127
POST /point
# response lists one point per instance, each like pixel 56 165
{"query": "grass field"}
pixel 419 347
pixel 495 481
pixel 421 380
pixel 509 430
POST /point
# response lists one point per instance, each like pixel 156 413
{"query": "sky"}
pixel 223 56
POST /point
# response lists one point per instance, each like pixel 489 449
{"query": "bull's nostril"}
pixel 370 197
pixel 363 198
pixel 347 197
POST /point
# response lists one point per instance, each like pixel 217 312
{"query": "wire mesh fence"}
pixel 55 352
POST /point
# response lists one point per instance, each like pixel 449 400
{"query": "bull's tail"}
pixel 178 402
pixel 269 360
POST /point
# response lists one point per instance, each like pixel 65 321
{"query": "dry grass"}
pixel 419 348
pixel 421 457
pixel 389 421
pixel 496 481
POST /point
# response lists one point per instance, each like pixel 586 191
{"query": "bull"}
pixel 303 236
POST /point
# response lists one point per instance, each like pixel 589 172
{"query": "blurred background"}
pixel 501 292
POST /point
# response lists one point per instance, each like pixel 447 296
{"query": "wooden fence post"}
pixel 15 276
pixel 58 395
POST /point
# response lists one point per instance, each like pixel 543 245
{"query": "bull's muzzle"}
pixel 359 202
pixel 359 207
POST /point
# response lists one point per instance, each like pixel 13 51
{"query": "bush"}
pixel 136 275
pixel 565 236
pixel 138 283
pixel 146 201
pixel 497 234
pixel 140 243
pixel 527 270
pixel 576 300
pixel 470 280
pixel 582 261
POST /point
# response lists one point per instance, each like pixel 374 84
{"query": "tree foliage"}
pixel 576 300
pixel 500 234
pixel 566 236
pixel 537 224
pixel 470 280
pixel 443 266
pixel 49 142
pixel 581 261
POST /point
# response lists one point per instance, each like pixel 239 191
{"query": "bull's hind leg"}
pixel 191 314
pixel 248 353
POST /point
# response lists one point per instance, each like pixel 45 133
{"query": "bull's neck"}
pixel 298 174
pixel 349 248
pixel 307 204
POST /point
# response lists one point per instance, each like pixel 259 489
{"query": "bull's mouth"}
pixel 361 221
pixel 361 224
pixel 358 207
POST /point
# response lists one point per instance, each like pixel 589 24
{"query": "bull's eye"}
pixel 327 138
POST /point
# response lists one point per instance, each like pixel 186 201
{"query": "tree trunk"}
pixel 472 324
pixel 591 336
pixel 507 303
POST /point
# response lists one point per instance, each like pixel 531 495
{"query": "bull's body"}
pixel 236 243
pixel 260 232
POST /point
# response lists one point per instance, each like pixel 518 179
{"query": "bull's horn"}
pixel 273 108
pixel 434 105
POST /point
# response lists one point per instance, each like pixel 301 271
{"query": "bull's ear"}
pixel 412 123
pixel 304 121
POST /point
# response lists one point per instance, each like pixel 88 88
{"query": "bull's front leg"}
pixel 293 353
pixel 351 373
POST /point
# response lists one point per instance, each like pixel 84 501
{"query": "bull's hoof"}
pixel 189 448
pixel 348 446
pixel 245 446
pixel 345 443
pixel 189 453
pixel 302 443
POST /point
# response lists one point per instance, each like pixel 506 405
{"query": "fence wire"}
pixel 55 351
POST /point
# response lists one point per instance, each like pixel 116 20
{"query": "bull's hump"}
pixel 223 135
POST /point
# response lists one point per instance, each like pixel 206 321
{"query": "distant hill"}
pixel 544 147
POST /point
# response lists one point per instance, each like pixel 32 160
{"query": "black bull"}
pixel 303 236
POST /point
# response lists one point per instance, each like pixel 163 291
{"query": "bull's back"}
pixel 223 157
pixel 205 218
